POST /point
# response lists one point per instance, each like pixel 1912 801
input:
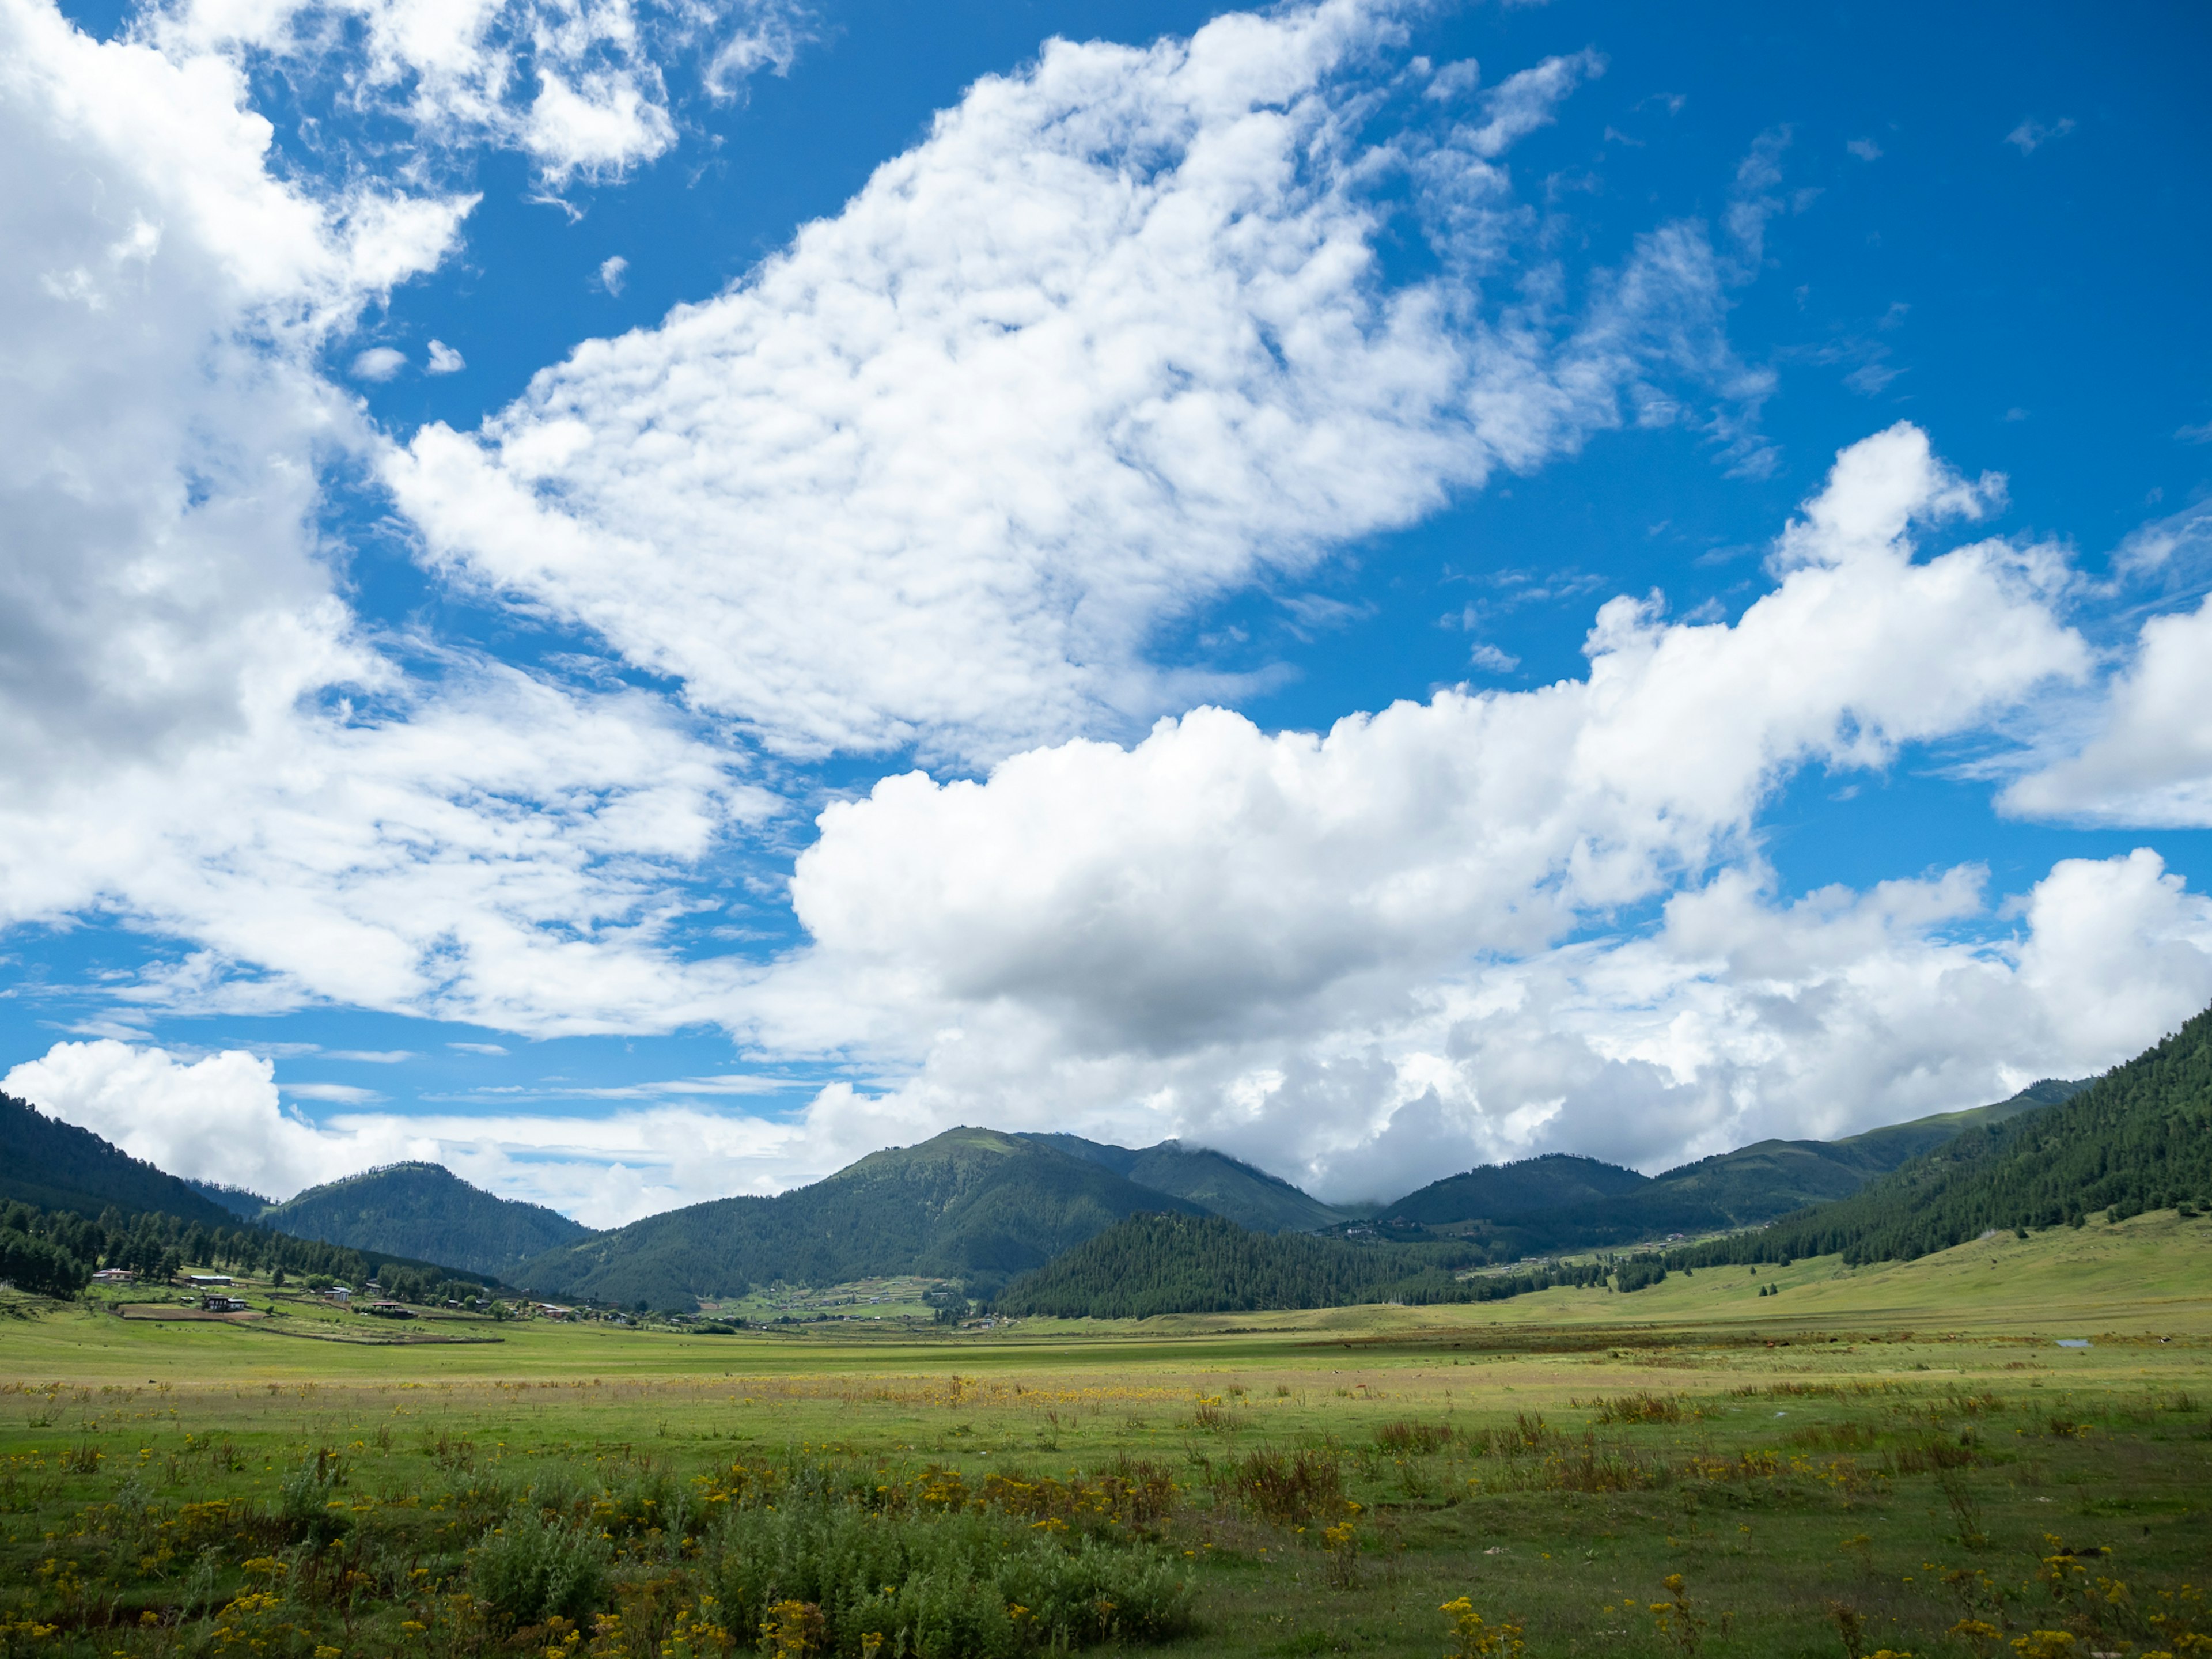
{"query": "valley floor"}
pixel 1900 1457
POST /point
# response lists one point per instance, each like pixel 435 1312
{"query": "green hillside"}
pixel 972 1204
pixel 1892 1145
pixel 2139 1138
pixel 1555 1181
pixel 52 1165
pixel 1214 1181
pixel 240 1201
pixel 1172 1264
pixel 1770 1178
pixel 427 1212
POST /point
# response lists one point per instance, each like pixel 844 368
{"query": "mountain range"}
pixel 1544 1205
pixel 984 1207
pixel 2139 1138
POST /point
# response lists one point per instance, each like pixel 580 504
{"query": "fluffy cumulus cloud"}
pixel 1114 338
pixel 2150 759
pixel 1343 952
pixel 2141 752
pixel 216 1118
pixel 198 735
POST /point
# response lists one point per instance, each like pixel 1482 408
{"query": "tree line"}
pixel 56 1252
pixel 1161 1264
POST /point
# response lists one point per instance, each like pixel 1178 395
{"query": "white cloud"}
pixel 378 363
pixel 222 1118
pixel 1470 822
pixel 216 1119
pixel 611 272
pixel 503 853
pixel 1113 339
pixel 195 735
pixel 1737 1018
pixel 581 85
pixel 2138 749
pixel 444 360
pixel 2174 549
pixel 599 123
pixel 2149 761
pixel 1496 661
pixel 1865 148
pixel 157 480
pixel 1524 102
pixel 2032 134
pixel 343 1094
pixel 1177 922
pixel 1453 80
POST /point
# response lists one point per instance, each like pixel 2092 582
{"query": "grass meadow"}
pixel 1901 1459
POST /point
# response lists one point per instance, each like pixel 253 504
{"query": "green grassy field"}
pixel 1898 1458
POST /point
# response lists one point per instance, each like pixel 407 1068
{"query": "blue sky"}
pixel 593 600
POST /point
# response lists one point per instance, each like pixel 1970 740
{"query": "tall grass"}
pixel 1286 1488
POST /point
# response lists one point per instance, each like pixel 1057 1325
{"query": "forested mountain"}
pixel 2138 1138
pixel 1164 1264
pixel 52 1165
pixel 1892 1144
pixel 1742 1188
pixel 426 1210
pixel 1555 1181
pixel 1770 1178
pixel 972 1204
pixel 1214 1181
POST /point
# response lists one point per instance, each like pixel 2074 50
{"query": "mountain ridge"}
pixel 1747 1187
pixel 976 1205
pixel 52 1165
pixel 425 1211
pixel 1226 1185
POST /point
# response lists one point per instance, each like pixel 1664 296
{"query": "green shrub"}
pixel 963 1585
pixel 529 1568
pixel 308 1499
